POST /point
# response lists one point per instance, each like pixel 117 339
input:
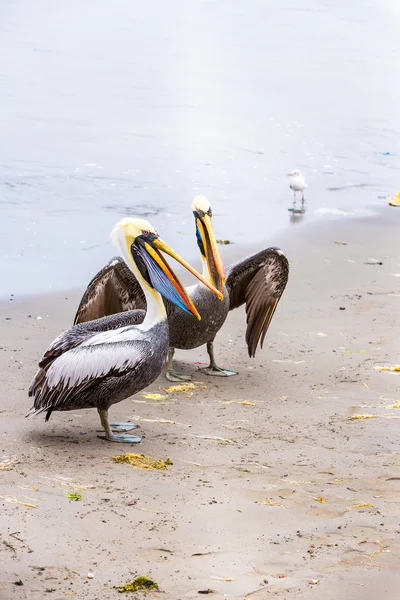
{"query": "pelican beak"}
pixel 213 257
pixel 164 279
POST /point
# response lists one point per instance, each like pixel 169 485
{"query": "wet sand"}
pixel 268 508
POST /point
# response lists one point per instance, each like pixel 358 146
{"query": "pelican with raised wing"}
pixel 101 362
pixel 257 281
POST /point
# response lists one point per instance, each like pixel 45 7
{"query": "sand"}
pixel 268 467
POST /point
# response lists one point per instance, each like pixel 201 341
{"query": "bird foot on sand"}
pixel 174 376
pixel 127 439
pixel 217 371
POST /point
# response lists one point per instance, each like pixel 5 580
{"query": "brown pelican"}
pixel 257 281
pixel 102 362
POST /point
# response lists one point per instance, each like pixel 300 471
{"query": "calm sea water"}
pixel 119 108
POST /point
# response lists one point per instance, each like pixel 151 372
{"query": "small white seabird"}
pixel 297 183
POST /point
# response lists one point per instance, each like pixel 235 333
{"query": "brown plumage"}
pixel 112 290
pixel 259 281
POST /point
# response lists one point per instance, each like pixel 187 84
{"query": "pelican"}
pixel 257 281
pixel 297 184
pixel 102 362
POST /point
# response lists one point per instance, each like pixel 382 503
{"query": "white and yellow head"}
pixel 202 212
pixel 140 246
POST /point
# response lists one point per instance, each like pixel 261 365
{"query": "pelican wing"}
pixel 113 290
pixel 107 354
pixel 259 281
pixel 81 334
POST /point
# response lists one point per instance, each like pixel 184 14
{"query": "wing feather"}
pixel 82 332
pixel 259 281
pixel 113 290
pixel 83 367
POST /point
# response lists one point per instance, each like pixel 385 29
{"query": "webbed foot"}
pixel 217 371
pixel 213 368
pixel 127 439
pixel 174 376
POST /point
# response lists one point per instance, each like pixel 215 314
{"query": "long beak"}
pixel 213 257
pixel 169 284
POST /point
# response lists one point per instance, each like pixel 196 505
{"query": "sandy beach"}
pixel 274 491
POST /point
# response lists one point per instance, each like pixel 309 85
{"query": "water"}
pixel 123 108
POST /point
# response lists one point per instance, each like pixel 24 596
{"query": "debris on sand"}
pixel 163 421
pixel 184 387
pixel 208 591
pixel 138 584
pixel 223 242
pixel 62 481
pixel 141 461
pixel 321 500
pixel 268 502
pixel 15 501
pixel 74 496
pixel 396 404
pixel 341 243
pixel 293 362
pixel 243 402
pixel 394 368
pixel 155 396
pixel 78 486
pixel 7 463
pixel 358 417
pixel 360 505
pixel 221 440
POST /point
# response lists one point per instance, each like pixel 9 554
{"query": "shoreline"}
pixel 274 490
pixel 230 252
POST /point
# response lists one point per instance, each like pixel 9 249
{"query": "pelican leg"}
pixel 213 368
pixel 294 197
pixel 302 197
pixel 109 435
pixel 171 374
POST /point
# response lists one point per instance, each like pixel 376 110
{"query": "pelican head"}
pixel 140 246
pixel 295 173
pixel 206 240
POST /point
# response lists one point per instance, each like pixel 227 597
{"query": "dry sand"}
pixel 237 516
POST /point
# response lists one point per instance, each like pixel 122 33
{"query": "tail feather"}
pixel 34 411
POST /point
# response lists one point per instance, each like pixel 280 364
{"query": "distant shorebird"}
pixel 257 281
pixel 297 183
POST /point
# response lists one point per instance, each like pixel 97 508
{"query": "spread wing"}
pixel 113 290
pixel 259 281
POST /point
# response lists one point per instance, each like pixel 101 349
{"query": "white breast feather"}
pixel 298 184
